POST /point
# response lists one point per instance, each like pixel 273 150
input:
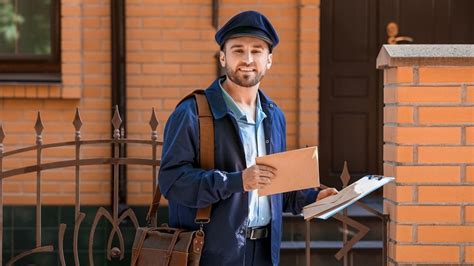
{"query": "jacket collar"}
pixel 218 106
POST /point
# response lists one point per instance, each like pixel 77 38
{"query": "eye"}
pixel 238 51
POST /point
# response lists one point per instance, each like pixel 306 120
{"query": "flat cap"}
pixel 249 24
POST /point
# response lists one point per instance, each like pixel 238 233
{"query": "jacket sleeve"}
pixel 180 178
pixel 294 201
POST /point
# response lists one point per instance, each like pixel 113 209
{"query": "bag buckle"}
pixel 202 221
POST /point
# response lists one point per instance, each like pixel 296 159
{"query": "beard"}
pixel 244 79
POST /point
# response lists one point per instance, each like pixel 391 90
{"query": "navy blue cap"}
pixel 248 23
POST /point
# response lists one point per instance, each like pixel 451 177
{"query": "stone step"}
pixel 367 253
pixel 294 229
pixel 294 226
pixel 329 245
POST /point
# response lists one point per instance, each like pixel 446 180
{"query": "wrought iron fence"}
pixel 102 213
pixel 116 218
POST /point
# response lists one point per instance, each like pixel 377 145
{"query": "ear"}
pixel 269 61
pixel 222 58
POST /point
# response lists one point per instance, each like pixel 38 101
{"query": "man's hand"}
pixel 257 176
pixel 326 193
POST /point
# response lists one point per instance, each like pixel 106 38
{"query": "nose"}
pixel 248 57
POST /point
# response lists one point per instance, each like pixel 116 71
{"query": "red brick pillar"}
pixel 429 148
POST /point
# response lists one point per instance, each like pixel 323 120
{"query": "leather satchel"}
pixel 164 245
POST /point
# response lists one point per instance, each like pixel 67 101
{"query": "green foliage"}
pixel 9 21
pixel 25 27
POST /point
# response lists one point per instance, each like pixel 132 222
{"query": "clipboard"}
pixel 327 207
pixel 296 169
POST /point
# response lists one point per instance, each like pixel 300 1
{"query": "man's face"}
pixel 246 60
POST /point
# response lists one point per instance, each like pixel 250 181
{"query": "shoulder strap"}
pixel 206 146
pixel 206 153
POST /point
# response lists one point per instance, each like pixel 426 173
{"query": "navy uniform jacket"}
pixel 188 187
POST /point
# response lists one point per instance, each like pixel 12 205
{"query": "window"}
pixel 29 40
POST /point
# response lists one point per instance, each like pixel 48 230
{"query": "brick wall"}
pixel 85 52
pixel 170 51
pixel 429 148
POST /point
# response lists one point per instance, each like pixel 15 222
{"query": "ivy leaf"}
pixel 18 19
pixel 9 22
pixel 11 33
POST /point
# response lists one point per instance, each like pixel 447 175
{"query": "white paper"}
pixel 331 205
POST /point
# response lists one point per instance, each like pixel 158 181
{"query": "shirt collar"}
pixel 219 108
pixel 234 108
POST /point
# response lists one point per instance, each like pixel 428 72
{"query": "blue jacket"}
pixel 188 187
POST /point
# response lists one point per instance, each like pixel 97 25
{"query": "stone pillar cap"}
pixel 425 55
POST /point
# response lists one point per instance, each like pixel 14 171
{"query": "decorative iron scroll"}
pixel 115 160
pixel 346 220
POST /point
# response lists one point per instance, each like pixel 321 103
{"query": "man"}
pixel 244 229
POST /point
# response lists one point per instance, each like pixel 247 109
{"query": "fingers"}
pixel 332 191
pixel 258 176
pixel 326 193
pixel 267 174
pixel 266 171
pixel 263 181
pixel 265 167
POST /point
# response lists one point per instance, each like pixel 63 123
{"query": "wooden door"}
pixel 351 99
pixel 348 89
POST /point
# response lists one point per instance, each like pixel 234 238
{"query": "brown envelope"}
pixel 296 169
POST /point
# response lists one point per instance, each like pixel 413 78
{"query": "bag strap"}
pixel 136 252
pixel 206 146
pixel 167 257
pixel 206 153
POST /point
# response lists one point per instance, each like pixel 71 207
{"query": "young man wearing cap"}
pixel 244 229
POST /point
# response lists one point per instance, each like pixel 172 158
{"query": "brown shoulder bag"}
pixel 164 245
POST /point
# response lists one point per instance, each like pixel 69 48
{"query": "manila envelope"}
pixel 296 169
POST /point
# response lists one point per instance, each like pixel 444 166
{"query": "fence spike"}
pixel 153 124
pixel 39 125
pixel 153 120
pixel 77 120
pixel 2 133
pixel 345 176
pixel 116 120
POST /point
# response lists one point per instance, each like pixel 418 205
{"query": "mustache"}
pixel 246 65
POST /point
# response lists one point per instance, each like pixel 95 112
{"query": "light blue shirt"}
pixel 253 139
